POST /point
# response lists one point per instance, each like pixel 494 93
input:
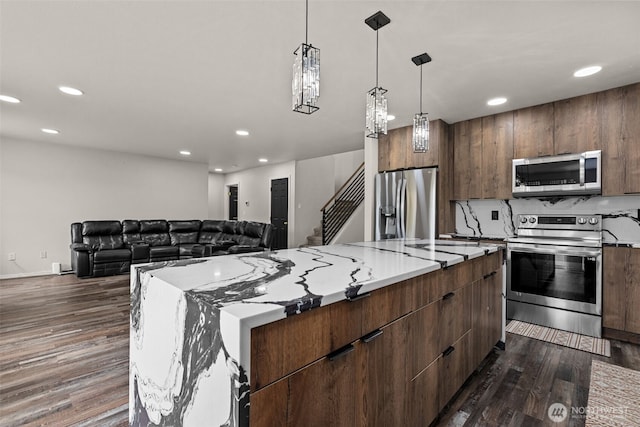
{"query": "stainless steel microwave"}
pixel 566 174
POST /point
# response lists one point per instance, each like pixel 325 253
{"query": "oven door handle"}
pixel 555 250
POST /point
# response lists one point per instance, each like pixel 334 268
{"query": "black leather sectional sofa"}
pixel 102 248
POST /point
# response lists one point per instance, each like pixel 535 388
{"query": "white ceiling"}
pixel 164 76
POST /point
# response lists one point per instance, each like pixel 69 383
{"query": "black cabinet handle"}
pixel 493 273
pixel 448 351
pixel 449 295
pixel 361 296
pixel 372 335
pixel 341 352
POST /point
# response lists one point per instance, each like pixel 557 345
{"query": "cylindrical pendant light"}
pixel 420 138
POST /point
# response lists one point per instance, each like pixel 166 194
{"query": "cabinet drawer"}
pixel 424 344
pixel 453 278
pixel 324 393
pixel 279 348
pixel 486 265
pixel 387 304
pixel 455 367
pixel 423 404
pixel 455 316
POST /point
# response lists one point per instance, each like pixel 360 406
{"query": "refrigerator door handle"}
pixel 401 216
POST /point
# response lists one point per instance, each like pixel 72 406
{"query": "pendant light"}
pixel 376 117
pixel 421 120
pixel 305 85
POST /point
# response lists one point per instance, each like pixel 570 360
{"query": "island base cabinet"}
pixel 455 366
pixel 363 384
pixel 423 391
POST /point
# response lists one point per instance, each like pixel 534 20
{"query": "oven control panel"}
pixel 560 222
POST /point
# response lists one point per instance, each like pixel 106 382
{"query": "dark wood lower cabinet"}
pixel 324 393
pixel 621 293
pixel 383 376
pixel 405 367
pixel 455 367
pixel 487 313
pixel 423 406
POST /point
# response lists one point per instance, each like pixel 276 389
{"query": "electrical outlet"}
pixel 494 215
pixel 43 254
pixel 12 256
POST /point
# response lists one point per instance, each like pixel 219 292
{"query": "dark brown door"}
pixel 279 212
pixel 233 202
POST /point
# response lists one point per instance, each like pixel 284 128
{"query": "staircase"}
pixel 316 238
pixel 337 211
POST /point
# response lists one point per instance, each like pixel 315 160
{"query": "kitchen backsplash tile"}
pixel 620 215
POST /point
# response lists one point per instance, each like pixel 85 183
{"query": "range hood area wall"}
pixel 620 215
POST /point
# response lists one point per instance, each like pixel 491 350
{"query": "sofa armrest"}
pixel 243 249
pixel 80 247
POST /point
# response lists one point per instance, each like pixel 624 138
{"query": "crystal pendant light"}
pixel 420 138
pixel 305 85
pixel 376 117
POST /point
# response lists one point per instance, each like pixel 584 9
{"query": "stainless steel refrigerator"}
pixel 406 204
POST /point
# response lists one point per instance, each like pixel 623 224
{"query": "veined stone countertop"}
pixel 191 319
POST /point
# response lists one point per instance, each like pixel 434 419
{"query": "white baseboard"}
pixel 21 275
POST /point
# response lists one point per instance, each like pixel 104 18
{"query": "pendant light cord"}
pixel 420 89
pixel 306 23
pixel 376 58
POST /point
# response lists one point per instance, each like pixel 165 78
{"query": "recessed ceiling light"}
pixel 242 132
pixel 70 90
pixel 390 117
pixel 217 170
pixel 587 71
pixel 11 99
pixel 185 153
pixel 51 131
pixel 263 160
pixel 497 101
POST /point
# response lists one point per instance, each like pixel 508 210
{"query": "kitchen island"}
pixel 356 334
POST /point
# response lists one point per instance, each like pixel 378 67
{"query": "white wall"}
pixel 353 230
pixel 254 193
pixel 370 171
pixel 46 187
pixel 217 196
pixel 317 180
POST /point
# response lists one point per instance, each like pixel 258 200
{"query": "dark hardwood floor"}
pixel 64 347
pixel 64 351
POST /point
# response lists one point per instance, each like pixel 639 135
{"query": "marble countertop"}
pixel 260 288
pixel 191 320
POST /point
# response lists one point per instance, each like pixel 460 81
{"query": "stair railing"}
pixel 337 211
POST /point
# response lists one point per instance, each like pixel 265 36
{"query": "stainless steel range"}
pixel 554 272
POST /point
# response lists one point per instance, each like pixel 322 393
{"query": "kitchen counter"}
pixel 191 319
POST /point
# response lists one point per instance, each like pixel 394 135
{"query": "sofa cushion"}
pixel 115 255
pixel 210 231
pixel 131 231
pixel 163 252
pixel 184 226
pixel 254 229
pixel 154 226
pixel 248 241
pixel 101 228
pixel 184 232
pixel 187 250
pixel 102 243
pixel 212 225
pixel 230 227
pixel 155 232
